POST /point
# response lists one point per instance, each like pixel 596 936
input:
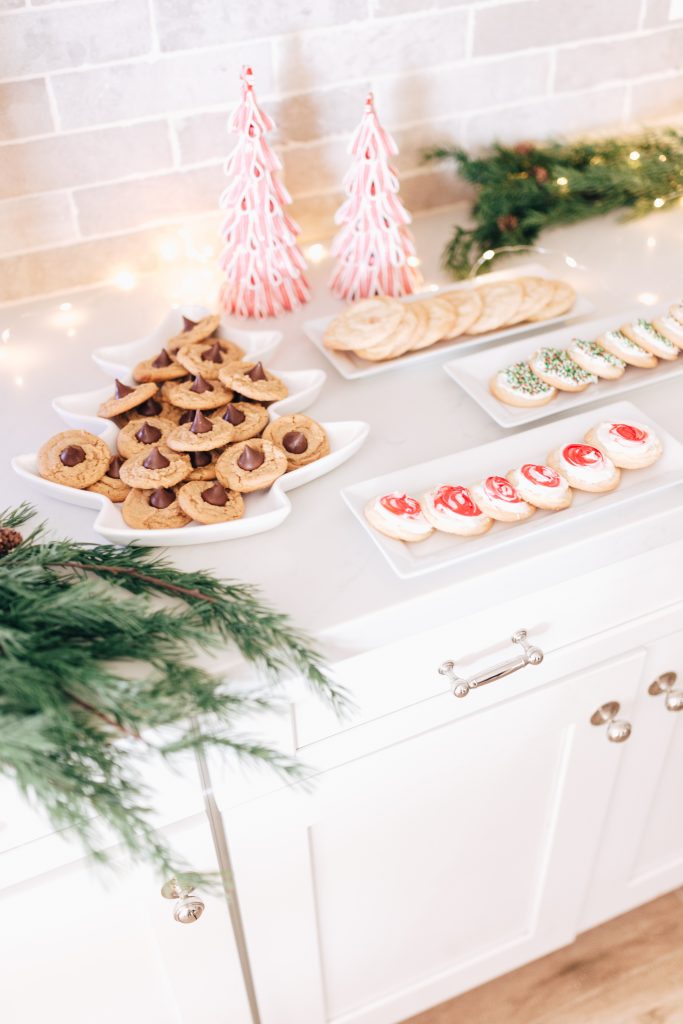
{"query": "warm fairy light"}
pixel 168 250
pixel 648 298
pixel 662 158
pixel 315 253
pixel 634 155
pixel 413 261
pixel 488 255
pixel 659 202
pixel 651 242
pixel 125 280
pixel 64 306
pixel 431 288
pixel 570 261
pixel 562 181
pixel 6 334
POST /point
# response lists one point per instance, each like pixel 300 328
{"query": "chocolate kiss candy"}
pixel 155 460
pixel 199 385
pixel 188 324
pixel 200 459
pixel 233 415
pixel 187 417
pixel 114 467
pixel 163 359
pixel 295 442
pixel 250 458
pixel 121 390
pixel 72 455
pixel 162 497
pixel 200 424
pixel 257 372
pixel 213 354
pixel 147 434
pixel 150 407
pixel 216 495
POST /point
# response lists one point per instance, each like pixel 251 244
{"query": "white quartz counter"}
pixel 319 565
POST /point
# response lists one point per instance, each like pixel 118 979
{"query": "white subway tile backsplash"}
pixel 579 67
pixel 520 26
pixel 24 109
pixel 36 222
pixel 659 97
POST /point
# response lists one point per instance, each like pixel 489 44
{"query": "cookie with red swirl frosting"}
pixel 452 509
pixel 500 500
pixel 585 467
pixel 541 486
pixel 628 445
pixel 399 516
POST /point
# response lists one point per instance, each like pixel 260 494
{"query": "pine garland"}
pixel 98 672
pixel 526 188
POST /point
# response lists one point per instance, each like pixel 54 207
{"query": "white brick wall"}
pixel 113 112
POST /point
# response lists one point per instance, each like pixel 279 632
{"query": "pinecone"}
pixel 9 539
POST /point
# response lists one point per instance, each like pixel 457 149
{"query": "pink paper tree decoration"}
pixel 374 248
pixel 264 267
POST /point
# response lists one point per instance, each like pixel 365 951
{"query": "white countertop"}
pixel 319 565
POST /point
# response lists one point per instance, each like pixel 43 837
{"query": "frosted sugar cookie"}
pixel 518 385
pixel 555 367
pixel 398 516
pixel 561 301
pixel 648 337
pixel 500 302
pixel 541 486
pixel 671 328
pixel 497 498
pixel 585 467
pixel 452 509
pixel 592 357
pixel 628 445
pixel 676 311
pixel 620 345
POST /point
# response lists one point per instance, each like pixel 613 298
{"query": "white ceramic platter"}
pixel 498 457
pixel 352 366
pixel 119 360
pixel 474 372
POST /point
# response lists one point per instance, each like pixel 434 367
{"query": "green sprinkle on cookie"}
pixel 520 377
pixel 595 349
pixel 558 363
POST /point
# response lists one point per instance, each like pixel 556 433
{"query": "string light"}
pixel 125 280
pixel 662 158
pixel 64 306
pixel 648 298
pixel 651 242
pixel 316 252
pixel 562 181
pixel 413 261
pixel 634 155
pixel 659 202
pixel 488 255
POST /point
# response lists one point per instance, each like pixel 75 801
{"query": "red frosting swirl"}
pixel 582 455
pixel 456 499
pixel 627 432
pixel 544 476
pixel 401 505
pixel 499 488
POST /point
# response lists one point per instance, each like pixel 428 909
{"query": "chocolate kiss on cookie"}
pixel 216 495
pixel 200 459
pixel 233 415
pixel 121 390
pixel 163 359
pixel 72 455
pixel 155 460
pixel 114 471
pixel 187 417
pixel 199 385
pixel 162 497
pixel 188 324
pixel 150 407
pixel 200 424
pixel 295 442
pixel 213 354
pixel 257 372
pixel 250 459
pixel 148 434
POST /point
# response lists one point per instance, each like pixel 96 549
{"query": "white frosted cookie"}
pixel 648 337
pixel 592 357
pixel 561 301
pixel 585 467
pixel 676 311
pixel 541 486
pixel 398 516
pixel 671 328
pixel 497 498
pixel 451 509
pixel 628 445
pixel 555 367
pixel 518 385
pixel 500 302
pixel 619 344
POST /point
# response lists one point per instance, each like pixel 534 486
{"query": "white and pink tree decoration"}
pixel 264 267
pixel 374 248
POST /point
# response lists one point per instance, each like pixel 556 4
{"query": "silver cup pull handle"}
pixel 530 655
pixel 189 907
pixel 673 700
pixel 617 729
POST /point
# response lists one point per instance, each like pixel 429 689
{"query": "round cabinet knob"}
pixel 188 909
pixel 673 701
pixel 617 729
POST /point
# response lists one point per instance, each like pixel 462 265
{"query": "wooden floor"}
pixel 628 971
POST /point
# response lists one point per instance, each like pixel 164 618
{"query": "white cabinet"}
pixel 440 858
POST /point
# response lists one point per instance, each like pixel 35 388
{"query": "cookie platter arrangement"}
pixel 376 334
pixel 442 512
pixel 196 441
pixel 603 358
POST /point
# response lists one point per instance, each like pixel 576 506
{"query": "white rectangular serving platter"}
pixel 352 367
pixel 119 360
pixel 474 372
pixel 498 457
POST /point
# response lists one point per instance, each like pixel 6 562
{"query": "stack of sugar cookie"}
pixel 384 328
pixel 194 436
pixel 592 464
pixel 639 343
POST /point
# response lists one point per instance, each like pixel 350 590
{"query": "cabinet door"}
pixel 424 868
pixel 641 852
pixel 79 945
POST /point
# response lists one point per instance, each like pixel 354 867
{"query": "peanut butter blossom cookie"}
pixel 253 381
pixel 203 464
pixel 197 393
pixel 126 398
pixel 111 485
pixel 251 465
pixel 160 467
pixel 159 368
pixel 75 458
pixel 248 419
pixel 140 435
pixel 201 434
pixel 210 502
pixel 301 439
pixel 156 509
pixel 194 331
pixel 207 358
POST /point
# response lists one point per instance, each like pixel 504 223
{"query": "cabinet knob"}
pixel 530 656
pixel 673 700
pixel 618 730
pixel 189 907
